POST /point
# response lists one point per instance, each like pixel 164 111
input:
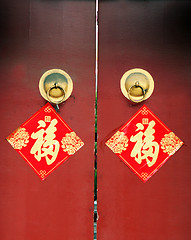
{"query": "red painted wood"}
pixel 37 36
pixel 155 36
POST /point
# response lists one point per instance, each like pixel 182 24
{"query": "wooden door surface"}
pixel 38 35
pixel 154 36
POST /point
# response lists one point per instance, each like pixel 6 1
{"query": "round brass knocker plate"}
pixel 137 85
pixel 55 86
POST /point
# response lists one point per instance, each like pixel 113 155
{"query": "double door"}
pixel 40 35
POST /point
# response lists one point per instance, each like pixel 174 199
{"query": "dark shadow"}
pixel 64 0
pixel 177 24
pixel 5 22
pixel 14 26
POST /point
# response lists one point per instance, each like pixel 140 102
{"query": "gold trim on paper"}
pixel 19 138
pixel 71 143
pixel 170 143
pixel 118 142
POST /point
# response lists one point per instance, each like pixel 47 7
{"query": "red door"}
pixel 37 36
pixel 154 36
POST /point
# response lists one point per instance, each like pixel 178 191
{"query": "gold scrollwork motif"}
pixel 48 109
pixel 118 142
pixel 71 143
pixel 42 173
pixel 144 111
pixel 170 143
pixel 19 138
pixel 144 175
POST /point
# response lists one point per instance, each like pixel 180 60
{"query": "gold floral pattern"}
pixel 71 143
pixel 118 142
pixel 170 143
pixel 19 138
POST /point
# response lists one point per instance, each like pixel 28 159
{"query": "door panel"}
pixel 37 36
pixel 155 36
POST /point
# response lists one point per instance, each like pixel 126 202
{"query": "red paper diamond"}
pixel 45 141
pixel 144 143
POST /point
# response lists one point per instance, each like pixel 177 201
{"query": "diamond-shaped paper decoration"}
pixel 144 143
pixel 45 141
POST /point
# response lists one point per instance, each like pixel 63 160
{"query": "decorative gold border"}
pixel 149 111
pixel 38 171
pixel 53 110
pixel 150 174
pixel 159 121
pixel 31 118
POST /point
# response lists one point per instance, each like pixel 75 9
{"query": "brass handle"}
pixel 55 86
pixel 139 97
pixel 55 94
pixel 137 85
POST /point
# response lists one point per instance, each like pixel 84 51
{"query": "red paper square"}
pixel 45 141
pixel 144 143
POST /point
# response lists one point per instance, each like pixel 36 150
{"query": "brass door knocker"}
pixel 137 85
pixel 55 86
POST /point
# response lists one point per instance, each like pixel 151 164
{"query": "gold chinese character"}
pixel 47 118
pixel 145 121
pixel 145 146
pixel 45 145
